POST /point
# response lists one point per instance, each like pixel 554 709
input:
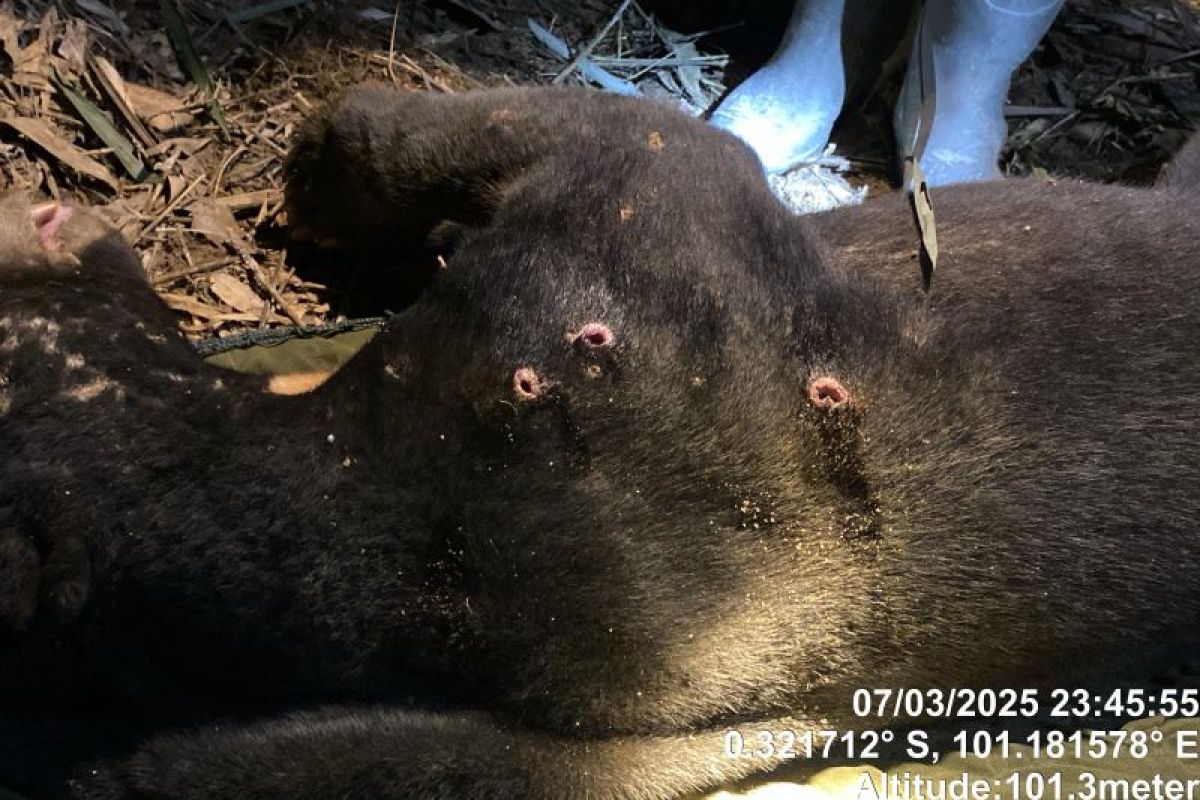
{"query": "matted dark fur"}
pixel 499 557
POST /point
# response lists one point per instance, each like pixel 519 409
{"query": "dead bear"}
pixel 651 460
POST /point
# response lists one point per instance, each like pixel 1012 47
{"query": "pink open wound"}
pixel 594 335
pixel 526 384
pixel 827 392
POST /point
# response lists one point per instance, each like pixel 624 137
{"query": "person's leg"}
pixel 975 45
pixel 786 110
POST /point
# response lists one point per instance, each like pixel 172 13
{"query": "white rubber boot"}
pixel 786 110
pixel 975 46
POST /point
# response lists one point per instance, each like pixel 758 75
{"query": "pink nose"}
pixel 48 218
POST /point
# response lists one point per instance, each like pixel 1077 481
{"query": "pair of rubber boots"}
pixel 964 54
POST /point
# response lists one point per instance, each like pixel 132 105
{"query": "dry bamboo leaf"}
pixel 235 294
pixel 161 111
pixel 181 40
pixel 41 134
pixel 114 85
pixel 104 128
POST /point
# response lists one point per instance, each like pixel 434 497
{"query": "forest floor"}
pixel 174 116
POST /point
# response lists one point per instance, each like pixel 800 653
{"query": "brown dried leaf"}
pixel 185 145
pixel 123 214
pixel 10 28
pixel 189 305
pixel 74 45
pixel 161 111
pixel 175 186
pixel 215 222
pixel 235 294
pixel 30 65
pixel 43 136
pixel 35 67
pixel 181 302
pixel 174 157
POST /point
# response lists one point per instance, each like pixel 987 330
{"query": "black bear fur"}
pixel 491 558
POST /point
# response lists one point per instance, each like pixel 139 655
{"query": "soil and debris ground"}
pixel 175 115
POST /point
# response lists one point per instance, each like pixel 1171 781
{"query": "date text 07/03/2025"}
pixel 907 703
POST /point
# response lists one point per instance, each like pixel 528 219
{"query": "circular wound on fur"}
pixel 595 335
pixel 825 391
pixel 527 385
